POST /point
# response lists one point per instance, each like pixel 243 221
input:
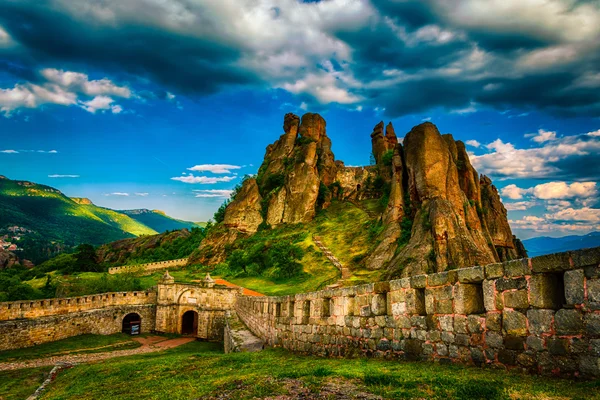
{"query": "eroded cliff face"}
pixel 440 214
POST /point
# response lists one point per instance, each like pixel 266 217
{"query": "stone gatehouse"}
pixel 538 315
pixel 196 310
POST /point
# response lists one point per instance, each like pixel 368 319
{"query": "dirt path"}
pixel 150 344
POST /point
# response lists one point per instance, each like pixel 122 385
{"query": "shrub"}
pixel 387 158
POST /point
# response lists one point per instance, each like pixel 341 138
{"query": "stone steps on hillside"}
pixel 238 338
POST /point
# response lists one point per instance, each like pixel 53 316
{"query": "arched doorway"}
pixel 189 323
pixel 132 324
pixel 358 187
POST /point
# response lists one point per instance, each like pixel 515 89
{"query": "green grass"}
pixel 78 344
pixel 200 370
pixel 20 384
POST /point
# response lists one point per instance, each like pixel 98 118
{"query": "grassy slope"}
pixel 48 211
pixel 79 344
pixel 200 370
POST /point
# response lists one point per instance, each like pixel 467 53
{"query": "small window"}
pixel 278 310
pixel 326 310
pixel 350 306
pixel 306 309
pixel 291 306
pixel 420 301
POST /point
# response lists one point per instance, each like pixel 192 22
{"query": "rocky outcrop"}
pixel 119 252
pixel 440 214
pixel 8 259
pixel 244 212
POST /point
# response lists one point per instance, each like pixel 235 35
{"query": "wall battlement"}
pixel 541 315
pixel 47 307
pixel 149 266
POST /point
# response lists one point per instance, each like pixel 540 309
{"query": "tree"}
pixel 282 257
pixel 85 259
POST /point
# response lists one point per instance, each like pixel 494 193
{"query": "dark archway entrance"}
pixel 358 187
pixel 132 324
pixel 189 323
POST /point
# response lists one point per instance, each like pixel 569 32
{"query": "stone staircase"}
pixel 358 204
pixel 333 259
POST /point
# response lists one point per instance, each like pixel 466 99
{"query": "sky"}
pixel 167 104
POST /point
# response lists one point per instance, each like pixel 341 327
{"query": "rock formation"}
pixel 440 214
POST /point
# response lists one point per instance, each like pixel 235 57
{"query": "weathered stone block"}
pixel 517 268
pixel 516 299
pixel 365 311
pixel 586 257
pixel 398 284
pixel 448 337
pixel 460 324
pixel 589 365
pixel 540 321
pixel 493 271
pixel 510 284
pixel 477 356
pixel 418 281
pixel 475 324
pixel 415 301
pixel 494 339
pixel 514 323
pixel 441 278
pixel 592 323
pixel 468 298
pixel 471 275
pixel 493 321
pixel 593 290
pixel 544 291
pixel 592 272
pixel 379 304
pixel 507 357
pixel 535 343
pixel 489 295
pixel 568 322
pixel 574 286
pixel 551 263
pixel 594 346
pixel 446 323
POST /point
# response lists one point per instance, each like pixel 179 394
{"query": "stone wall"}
pixel 20 333
pixel 149 266
pixel 540 315
pixel 41 308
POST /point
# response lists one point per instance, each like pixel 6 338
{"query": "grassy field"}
pixel 75 345
pixel 20 384
pixel 201 370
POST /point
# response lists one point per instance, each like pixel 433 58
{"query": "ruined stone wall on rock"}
pixel 540 315
pixel 149 266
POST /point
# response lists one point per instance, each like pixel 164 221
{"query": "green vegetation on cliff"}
pixel 159 221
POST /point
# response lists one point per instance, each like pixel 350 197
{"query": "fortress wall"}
pixel 149 266
pixel 41 308
pixel 540 315
pixel 20 333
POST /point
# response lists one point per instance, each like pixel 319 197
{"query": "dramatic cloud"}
pixel 560 158
pixel 213 193
pixel 63 176
pixel 513 192
pixel 402 56
pixel 203 179
pixel 552 191
pixel 63 88
pixel 215 168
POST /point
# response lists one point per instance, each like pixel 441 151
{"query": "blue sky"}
pixel 113 100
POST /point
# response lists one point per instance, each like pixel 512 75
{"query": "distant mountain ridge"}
pixel 158 220
pixel 547 245
pixel 55 222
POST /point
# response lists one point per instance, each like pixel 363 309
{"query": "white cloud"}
pixel 215 168
pixel 52 152
pixel 473 143
pixel 206 180
pixel 63 88
pixel 117 194
pixel 471 108
pixel 63 176
pixel 585 214
pixel 513 192
pixel 519 205
pixel 226 193
pixel 142 194
pixel 594 133
pixel 29 151
pixel 542 136
pixel 563 190
pixel 9 151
